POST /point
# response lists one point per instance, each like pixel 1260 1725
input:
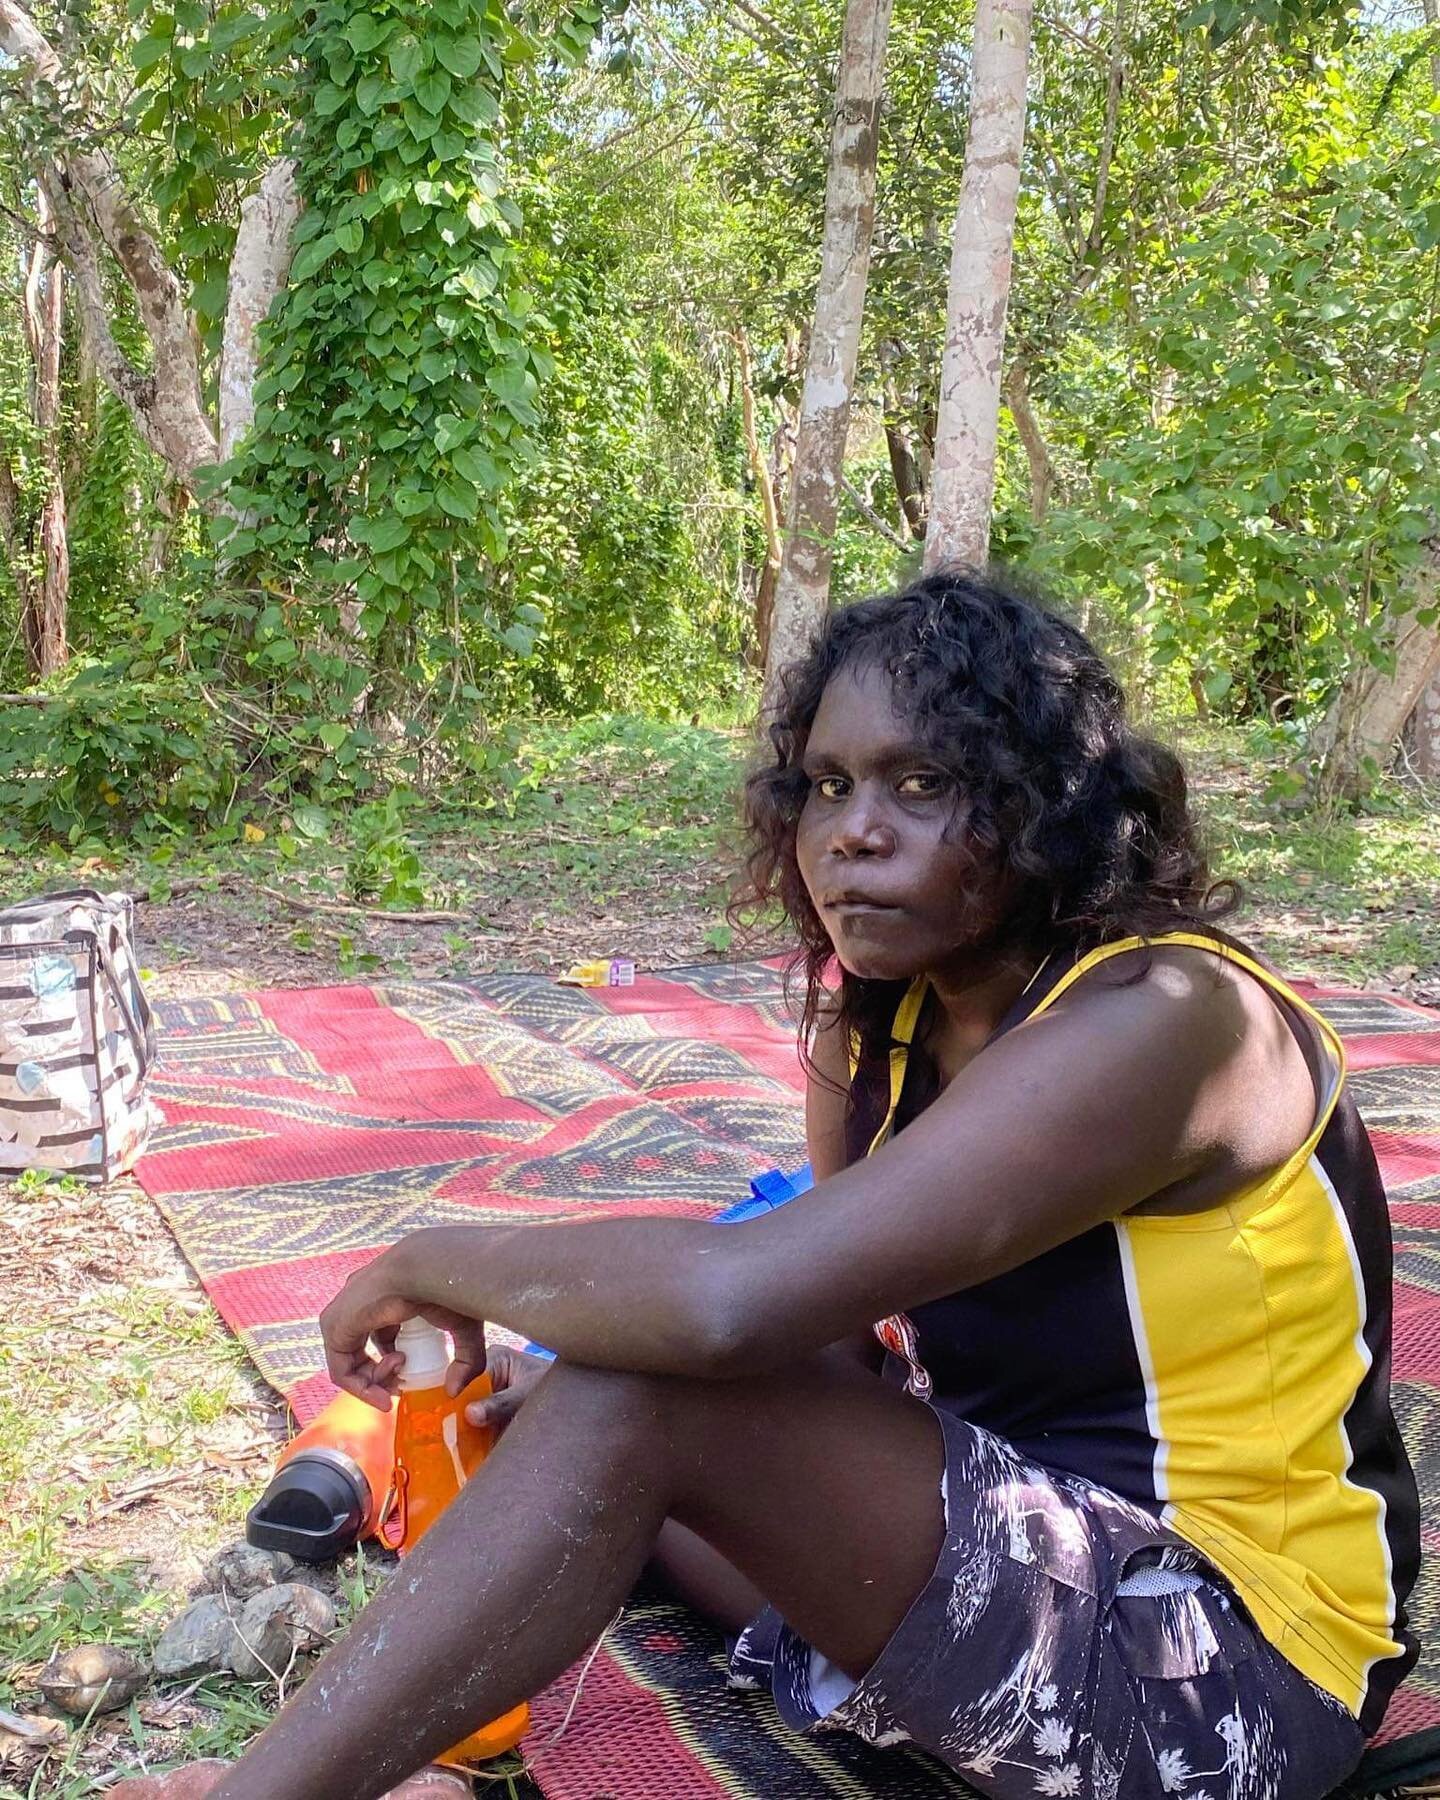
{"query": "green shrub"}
pixel 106 750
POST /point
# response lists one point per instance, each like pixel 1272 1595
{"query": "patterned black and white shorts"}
pixel 1069 1644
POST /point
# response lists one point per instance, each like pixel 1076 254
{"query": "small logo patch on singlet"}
pixel 900 1338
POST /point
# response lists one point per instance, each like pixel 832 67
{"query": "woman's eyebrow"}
pixel 884 756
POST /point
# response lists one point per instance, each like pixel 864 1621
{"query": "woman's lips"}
pixel 859 909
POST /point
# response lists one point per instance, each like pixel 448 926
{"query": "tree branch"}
pixel 88 192
pixel 776 33
pixel 871 517
pixel 119 373
pixel 1016 389
pixel 1113 90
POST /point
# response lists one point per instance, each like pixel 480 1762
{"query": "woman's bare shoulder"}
pixel 1261 1095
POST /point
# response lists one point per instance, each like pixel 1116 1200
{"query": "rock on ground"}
pixel 198 1640
pixel 242 1571
pixel 274 1626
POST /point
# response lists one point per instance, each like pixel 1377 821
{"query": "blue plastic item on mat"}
pixel 767 1191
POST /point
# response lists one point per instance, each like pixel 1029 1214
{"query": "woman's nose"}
pixel 861 829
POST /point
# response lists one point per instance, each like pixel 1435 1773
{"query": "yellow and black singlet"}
pixel 1228 1369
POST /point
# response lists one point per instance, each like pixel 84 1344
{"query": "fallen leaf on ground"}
pixel 29 1729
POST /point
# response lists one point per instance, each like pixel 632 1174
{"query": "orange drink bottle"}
pixel 436 1452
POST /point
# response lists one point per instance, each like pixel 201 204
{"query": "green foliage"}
pixel 114 510
pixel 623 534
pixel 209 87
pixel 39 1617
pixel 1245 408
pixel 497 464
pixel 109 750
pixel 383 865
pixel 399 388
pixel 1225 19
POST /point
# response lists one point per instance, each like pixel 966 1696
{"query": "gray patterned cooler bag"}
pixel 76 1037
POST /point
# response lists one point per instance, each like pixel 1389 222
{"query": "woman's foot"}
pixel 198 1779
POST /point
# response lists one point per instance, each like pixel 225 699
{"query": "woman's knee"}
pixel 674 1414
pixel 620 1397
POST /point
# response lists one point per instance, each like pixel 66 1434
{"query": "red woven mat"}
pixel 305 1130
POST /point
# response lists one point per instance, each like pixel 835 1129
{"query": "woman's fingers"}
pixel 497 1410
pixel 358 1313
pixel 359 1373
pixel 468 1338
pixel 513 1375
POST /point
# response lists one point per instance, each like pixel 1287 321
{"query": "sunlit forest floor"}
pixel 134 1434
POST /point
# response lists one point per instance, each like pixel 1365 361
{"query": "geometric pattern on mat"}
pixel 306 1130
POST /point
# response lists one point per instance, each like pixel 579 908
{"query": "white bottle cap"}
pixel 426 1350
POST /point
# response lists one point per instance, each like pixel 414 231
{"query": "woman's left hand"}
pixel 372 1306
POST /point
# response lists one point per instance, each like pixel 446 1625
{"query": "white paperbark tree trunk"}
pixel 1367 716
pixel 1425 725
pixel 259 269
pixel 963 485
pixel 1370 702
pixel 802 592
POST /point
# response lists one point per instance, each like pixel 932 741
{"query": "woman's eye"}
pixel 922 782
pixel 831 787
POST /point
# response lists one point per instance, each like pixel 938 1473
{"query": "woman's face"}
pixel 898 896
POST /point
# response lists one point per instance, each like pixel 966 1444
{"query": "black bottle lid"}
pixel 315 1508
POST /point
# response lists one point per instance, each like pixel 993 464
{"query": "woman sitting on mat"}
pixel 1111 1501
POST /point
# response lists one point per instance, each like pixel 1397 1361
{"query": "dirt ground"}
pixel 66 1265
pixel 234 941
pixel 230 942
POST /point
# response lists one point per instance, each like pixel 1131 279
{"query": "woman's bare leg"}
pixel 704 1579
pixel 820 1486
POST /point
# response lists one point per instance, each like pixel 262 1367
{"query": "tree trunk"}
pixel 905 473
pixel 769 512
pixel 1359 732
pixel 1425 718
pixel 85 410
pixel 1425 725
pixel 803 590
pixel 963 487
pixel 1370 701
pixel 1016 387
pixel 259 269
pixel 170 506
pixel 905 469
pixel 45 602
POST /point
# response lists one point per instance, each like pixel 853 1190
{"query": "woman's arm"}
pixel 1115 1094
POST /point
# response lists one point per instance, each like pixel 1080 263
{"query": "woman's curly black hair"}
pixel 1088 815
